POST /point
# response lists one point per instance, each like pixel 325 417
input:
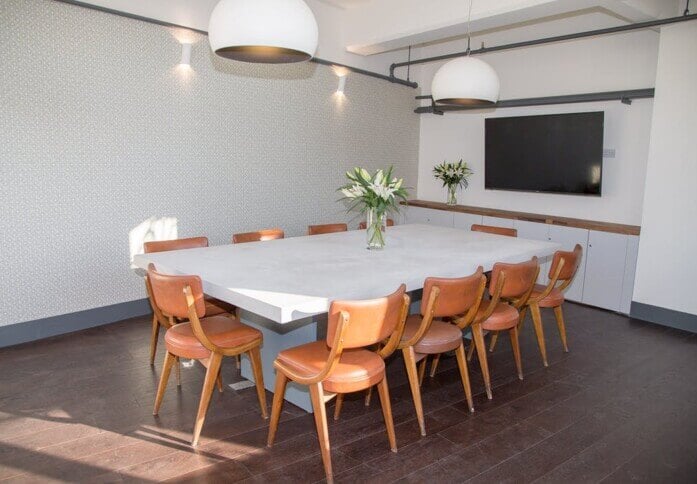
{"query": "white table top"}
pixel 289 279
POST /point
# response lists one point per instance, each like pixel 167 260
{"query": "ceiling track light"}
pixel 263 31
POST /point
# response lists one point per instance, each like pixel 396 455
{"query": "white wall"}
pixel 102 136
pixel 609 63
pixel 667 264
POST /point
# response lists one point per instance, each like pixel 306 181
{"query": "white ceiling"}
pixel 346 4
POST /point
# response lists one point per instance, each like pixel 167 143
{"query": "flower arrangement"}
pixel 454 175
pixel 375 195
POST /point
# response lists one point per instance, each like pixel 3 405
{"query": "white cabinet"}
pixel 629 273
pixel 605 266
pixel 605 276
pixel 535 231
pixel 508 223
pixel 466 220
pixel 568 237
pixel 418 215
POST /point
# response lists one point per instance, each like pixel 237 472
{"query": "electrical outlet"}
pixel 608 152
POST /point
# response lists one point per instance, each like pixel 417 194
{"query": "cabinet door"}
pixel 629 273
pixel 498 222
pixel 535 231
pixel 466 220
pixel 419 215
pixel 568 237
pixel 605 265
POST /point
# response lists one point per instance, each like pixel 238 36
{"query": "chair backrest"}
pixel 168 292
pixel 176 244
pixel 457 295
pixel 571 259
pixel 518 279
pixel 369 321
pixel 494 230
pixel 326 229
pixel 363 225
pixel 261 235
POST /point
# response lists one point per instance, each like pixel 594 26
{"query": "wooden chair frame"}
pixel 212 364
pixel 319 397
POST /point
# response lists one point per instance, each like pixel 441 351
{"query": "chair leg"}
pixel 278 397
pixel 521 318
pixel 464 374
pixel 170 359
pixel 238 361
pixel 154 335
pixel 422 370
pixel 562 328
pixel 434 365
pixel 410 364
pixel 178 371
pixel 384 393
pixel 470 350
pixel 208 384
pixel 255 359
pixel 219 381
pixel 368 395
pixel 337 406
pixel 481 354
pixel 320 410
pixel 539 331
pixel 494 339
pixel 513 333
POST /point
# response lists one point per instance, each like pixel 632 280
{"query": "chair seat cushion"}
pixel 553 299
pixel 357 368
pixel 223 331
pixel 504 316
pixel 215 307
pixel 439 338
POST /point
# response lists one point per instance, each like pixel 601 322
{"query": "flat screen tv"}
pixel 558 153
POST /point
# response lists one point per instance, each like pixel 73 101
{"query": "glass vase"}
pixel 376 224
pixel 452 195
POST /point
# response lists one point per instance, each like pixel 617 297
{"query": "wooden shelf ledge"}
pixel 531 217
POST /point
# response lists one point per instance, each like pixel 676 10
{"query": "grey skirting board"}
pixel 664 316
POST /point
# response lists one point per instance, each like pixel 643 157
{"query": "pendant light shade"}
pixel 466 81
pixel 266 31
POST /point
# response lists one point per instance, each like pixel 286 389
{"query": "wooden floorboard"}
pixel 621 406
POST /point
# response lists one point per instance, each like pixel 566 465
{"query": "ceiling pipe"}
pixel 546 40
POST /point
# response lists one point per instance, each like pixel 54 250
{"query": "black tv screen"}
pixel 558 153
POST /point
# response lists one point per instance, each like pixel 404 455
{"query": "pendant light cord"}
pixel 408 65
pixel 469 18
pixel 687 8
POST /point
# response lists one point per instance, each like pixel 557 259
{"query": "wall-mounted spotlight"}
pixel 342 85
pixel 186 55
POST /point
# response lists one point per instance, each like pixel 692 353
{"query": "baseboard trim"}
pixel 664 316
pixel 18 333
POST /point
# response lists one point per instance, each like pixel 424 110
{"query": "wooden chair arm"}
pixel 196 323
pixel 551 284
pixel 426 321
pixel 494 299
pixel 396 336
pixel 464 321
pixel 332 360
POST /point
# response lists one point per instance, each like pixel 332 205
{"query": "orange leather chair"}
pixel 494 230
pixel 363 225
pixel 424 334
pixel 206 339
pixel 261 235
pixel 326 229
pixel 563 269
pixel 342 364
pixel 510 289
pixel 213 306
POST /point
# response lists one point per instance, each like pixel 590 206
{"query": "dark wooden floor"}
pixel 621 406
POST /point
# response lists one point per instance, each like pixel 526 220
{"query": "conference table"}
pixel 284 287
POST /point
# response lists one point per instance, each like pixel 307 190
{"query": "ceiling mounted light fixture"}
pixel 263 31
pixel 466 81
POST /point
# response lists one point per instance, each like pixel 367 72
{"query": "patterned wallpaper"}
pixel 101 131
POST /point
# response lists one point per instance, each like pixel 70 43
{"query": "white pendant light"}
pixel 266 31
pixel 466 81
